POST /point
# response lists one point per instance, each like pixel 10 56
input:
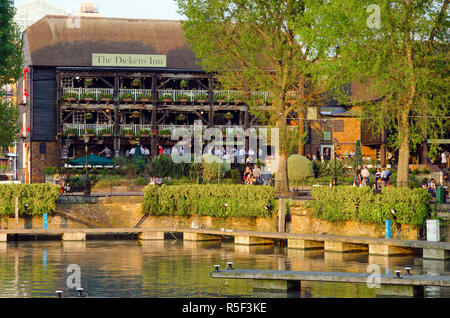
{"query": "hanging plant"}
pixel 184 83
pixel 88 82
pixel 136 114
pixel 136 82
pixel 181 117
pixel 88 116
pixel 228 116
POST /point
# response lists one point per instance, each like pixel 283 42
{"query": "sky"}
pixel 132 9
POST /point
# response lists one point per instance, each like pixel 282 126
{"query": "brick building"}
pixel 124 82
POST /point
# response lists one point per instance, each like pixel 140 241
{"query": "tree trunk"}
pixel 281 175
pixel 383 147
pixel 403 152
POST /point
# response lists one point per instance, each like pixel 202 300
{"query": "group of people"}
pixel 64 186
pixel 155 181
pixel 430 186
pixel 327 155
pixel 253 176
pixel 362 177
pixel 145 152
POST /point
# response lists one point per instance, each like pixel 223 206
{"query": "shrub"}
pixel 50 171
pixel 212 167
pixel 217 200
pixel 34 199
pixel 235 175
pixel 401 205
pixel 299 168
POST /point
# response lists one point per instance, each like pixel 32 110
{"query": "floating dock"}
pixel 334 243
pixel 404 285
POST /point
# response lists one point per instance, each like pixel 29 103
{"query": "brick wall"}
pixel 347 130
pixel 40 161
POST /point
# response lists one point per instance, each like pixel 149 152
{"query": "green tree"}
pixel 9 124
pixel 10 70
pixel 358 155
pixel 10 44
pixel 251 45
pixel 399 49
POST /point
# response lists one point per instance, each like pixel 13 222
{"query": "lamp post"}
pixel 87 183
pixel 335 174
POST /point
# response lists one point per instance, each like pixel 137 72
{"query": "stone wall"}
pixel 125 212
pixel 303 222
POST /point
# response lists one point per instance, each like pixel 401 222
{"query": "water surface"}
pixel 176 268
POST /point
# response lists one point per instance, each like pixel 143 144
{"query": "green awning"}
pixel 93 160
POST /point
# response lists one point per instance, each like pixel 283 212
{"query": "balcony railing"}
pixel 79 93
pixel 173 95
pixel 178 95
pixel 136 94
pixel 136 129
pixel 81 129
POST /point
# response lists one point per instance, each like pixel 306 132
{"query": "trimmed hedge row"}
pixel 34 199
pixel 343 203
pixel 217 200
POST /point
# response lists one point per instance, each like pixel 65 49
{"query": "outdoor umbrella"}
pixel 93 160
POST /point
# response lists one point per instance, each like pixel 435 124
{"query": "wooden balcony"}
pixel 134 130
pixel 166 96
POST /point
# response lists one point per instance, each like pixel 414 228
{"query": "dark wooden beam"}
pixel 163 117
pixel 164 83
pixel 106 82
pixel 203 85
pixel 201 117
pixel 64 120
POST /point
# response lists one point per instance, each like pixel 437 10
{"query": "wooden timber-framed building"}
pixel 95 76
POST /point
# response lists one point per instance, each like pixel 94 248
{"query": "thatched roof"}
pixel 62 41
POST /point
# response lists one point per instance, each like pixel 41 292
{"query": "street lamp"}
pixel 87 183
pixel 335 142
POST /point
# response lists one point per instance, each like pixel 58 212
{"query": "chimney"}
pixel 88 7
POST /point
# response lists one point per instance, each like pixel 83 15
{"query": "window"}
pixel 327 136
pixel 78 118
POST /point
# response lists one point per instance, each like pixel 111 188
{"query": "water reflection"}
pixel 176 268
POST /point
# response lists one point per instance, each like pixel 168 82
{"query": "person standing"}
pixel 257 174
pixel 443 160
pixel 358 176
pixel 385 174
pixel 365 176
pixel 106 151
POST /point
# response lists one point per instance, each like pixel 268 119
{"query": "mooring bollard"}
pixel 230 265
pixel 80 292
pixel 398 274
pixel 59 293
pixel 216 268
pixel 408 270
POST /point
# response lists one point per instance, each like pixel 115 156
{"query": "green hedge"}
pixel 217 200
pixel 343 203
pixel 34 199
